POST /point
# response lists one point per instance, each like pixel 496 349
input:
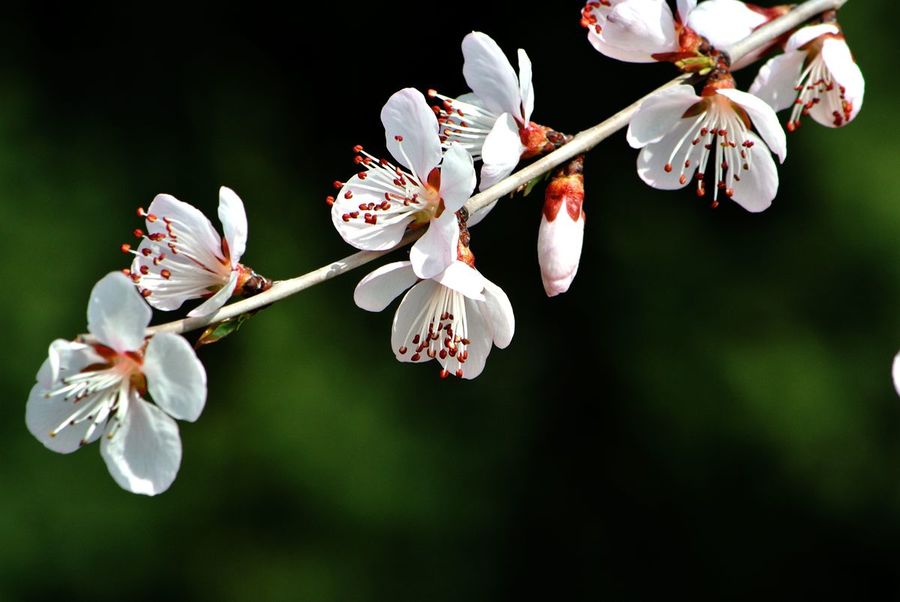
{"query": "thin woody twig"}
pixel 581 143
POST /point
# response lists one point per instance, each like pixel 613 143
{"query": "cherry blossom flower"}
pixel 644 31
pixel 96 387
pixel 374 208
pixel 453 318
pixel 561 234
pixel 816 75
pixel 182 257
pixel 493 122
pixel 678 133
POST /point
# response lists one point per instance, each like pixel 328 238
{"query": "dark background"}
pixel 708 411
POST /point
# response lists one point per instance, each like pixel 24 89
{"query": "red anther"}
pixel 724 165
pixel 792 126
pixel 459 373
pixel 416 340
pixel 363 206
pixel 465 342
pixel 682 179
pixel 157 260
pixel 416 357
pixel 723 132
pixel 398 138
pixel 362 175
pixel 151 218
pixel 384 205
pixel 348 194
pixel 138 233
pixel 145 293
pixel 145 270
pixel 437 111
pixel 127 272
pixel 337 184
pixel 359 159
pixel 146 252
pixel 329 200
pixel 714 204
pixel 431 353
pixel 729 192
pixel 135 278
pixel 165 274
pixel 354 214
pixel 125 248
pixel 701 188
pixel 668 167
pixel 156 236
pixel 346 217
pixel 444 374
pixel 358 148
pixel 443 354
pixel 403 350
pixel 432 92
pixel 371 219
pixel 141 212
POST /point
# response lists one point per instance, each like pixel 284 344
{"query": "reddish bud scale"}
pixel 540 140
pixel 566 189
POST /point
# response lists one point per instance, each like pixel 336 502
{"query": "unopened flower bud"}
pixel 562 228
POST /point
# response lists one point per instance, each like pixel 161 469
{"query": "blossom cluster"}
pixel 439 150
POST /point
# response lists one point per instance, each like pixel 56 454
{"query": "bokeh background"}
pixel 709 410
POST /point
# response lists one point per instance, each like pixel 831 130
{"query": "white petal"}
pixel 776 81
pixel 44 415
pixel 805 35
pixel 144 453
pixel 457 177
pixel 659 114
pixel 214 303
pixel 176 378
pixel 685 7
pixel 234 223
pixel 846 72
pixel 407 114
pixel 381 236
pixel 409 317
pixel 463 279
pixel 559 250
pixel 764 120
pixel 490 75
pixel 208 247
pixel 895 372
pixel 437 248
pixel 526 88
pixel 724 22
pixel 498 313
pixel 501 152
pixel 653 158
pixel 65 358
pixel 640 27
pixel 759 184
pixel 117 314
pixel 376 291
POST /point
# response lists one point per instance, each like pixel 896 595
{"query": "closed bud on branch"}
pixel 562 228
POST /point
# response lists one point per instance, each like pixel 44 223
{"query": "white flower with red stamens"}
pixel 182 257
pixel 679 132
pixel 816 75
pixel 453 318
pixel 374 208
pixel 493 123
pixel 96 388
pixel 644 31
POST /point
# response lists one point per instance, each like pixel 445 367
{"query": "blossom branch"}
pixel 581 143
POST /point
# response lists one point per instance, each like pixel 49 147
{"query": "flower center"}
pixel 402 194
pixel 98 390
pixel 718 127
pixel 442 333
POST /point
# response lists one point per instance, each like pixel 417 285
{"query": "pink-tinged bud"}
pixel 562 228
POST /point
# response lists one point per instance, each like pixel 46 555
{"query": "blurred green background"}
pixel 709 410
